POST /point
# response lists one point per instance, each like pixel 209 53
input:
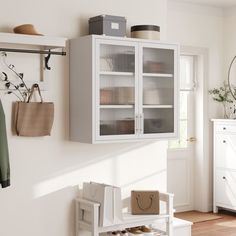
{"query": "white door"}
pixel 181 152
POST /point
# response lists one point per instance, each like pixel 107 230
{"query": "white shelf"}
pixel 133 221
pixel 85 207
pixel 116 106
pixel 157 75
pixel 47 42
pixel 157 106
pixel 116 73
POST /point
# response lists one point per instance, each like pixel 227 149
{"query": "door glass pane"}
pixel 158 90
pixel 182 141
pixel 184 104
pixel 116 121
pixel 186 72
pixel 117 58
pixel 157 60
pixel 158 120
pixel 117 90
pixel 183 129
pixel 186 91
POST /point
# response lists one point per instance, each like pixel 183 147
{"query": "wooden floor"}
pixel 221 227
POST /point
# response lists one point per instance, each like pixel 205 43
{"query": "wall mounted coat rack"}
pixel 34 44
pixel 42 52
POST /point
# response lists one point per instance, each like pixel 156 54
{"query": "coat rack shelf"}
pixel 45 42
pixel 34 44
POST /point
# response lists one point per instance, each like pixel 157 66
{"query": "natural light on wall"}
pixel 187 86
pixel 140 166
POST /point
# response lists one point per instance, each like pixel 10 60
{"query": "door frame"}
pixel 183 157
pixel 202 190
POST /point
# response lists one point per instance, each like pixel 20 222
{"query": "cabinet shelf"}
pixel 116 106
pixel 116 73
pixel 157 106
pixel 157 75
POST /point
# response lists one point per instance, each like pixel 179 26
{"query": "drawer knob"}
pixel 224 128
pixel 224 177
pixel 224 141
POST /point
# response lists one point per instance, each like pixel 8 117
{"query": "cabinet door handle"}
pixel 224 177
pixel 224 141
pixel 141 123
pixel 137 123
pixel 224 128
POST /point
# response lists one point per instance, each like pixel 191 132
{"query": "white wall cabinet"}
pixel 224 164
pixel 122 89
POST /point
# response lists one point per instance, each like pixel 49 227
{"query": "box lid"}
pixel 145 28
pixel 107 17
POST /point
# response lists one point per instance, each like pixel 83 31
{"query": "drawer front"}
pixel 225 128
pixel 225 188
pixel 225 151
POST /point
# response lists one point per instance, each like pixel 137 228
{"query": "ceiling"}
pixel 218 3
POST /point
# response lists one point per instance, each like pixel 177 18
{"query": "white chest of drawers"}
pixel 224 164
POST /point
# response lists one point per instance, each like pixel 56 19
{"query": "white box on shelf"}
pixel 103 195
pixel 109 198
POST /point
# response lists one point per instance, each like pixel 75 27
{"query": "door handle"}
pixel 191 139
pixel 141 123
pixel 137 123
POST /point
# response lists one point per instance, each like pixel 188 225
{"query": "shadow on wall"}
pixel 83 25
pixel 139 166
pixel 134 166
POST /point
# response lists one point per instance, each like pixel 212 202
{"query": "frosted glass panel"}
pixel 157 60
pixel 116 121
pixel 158 120
pixel 158 91
pixel 117 90
pixel 117 58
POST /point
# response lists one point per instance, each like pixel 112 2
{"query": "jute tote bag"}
pixel 145 202
pixel 33 119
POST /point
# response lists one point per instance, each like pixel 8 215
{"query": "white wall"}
pixel 45 171
pixel 229 39
pixel 201 27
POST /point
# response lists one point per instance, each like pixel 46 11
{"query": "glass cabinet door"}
pixel 158 90
pixel 116 78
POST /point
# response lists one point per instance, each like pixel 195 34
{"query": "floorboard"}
pixel 221 227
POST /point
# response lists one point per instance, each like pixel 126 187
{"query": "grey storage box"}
pixel 108 25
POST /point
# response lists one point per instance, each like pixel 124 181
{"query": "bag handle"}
pixel 35 86
pixel 144 208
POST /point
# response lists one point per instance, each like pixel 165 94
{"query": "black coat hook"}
pixel 47 60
